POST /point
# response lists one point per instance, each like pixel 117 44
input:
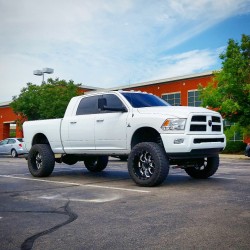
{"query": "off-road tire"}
pixel 41 160
pixel 96 163
pixel 205 169
pixel 148 164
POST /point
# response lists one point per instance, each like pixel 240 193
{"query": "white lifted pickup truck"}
pixel 153 134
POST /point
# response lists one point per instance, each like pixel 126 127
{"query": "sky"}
pixel 111 43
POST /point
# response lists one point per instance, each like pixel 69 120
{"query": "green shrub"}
pixel 234 147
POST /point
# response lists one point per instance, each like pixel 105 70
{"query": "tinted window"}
pixel 141 100
pixel 113 102
pixel 11 141
pixel 20 139
pixel 88 105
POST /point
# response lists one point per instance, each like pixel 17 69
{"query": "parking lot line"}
pixel 116 188
pixel 226 178
pixel 77 184
pixel 95 200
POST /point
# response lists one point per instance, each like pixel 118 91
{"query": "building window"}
pixel 193 98
pixel 173 99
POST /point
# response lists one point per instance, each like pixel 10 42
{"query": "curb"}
pixel 232 156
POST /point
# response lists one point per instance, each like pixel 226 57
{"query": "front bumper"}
pixel 181 146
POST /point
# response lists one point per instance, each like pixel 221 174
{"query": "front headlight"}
pixel 173 124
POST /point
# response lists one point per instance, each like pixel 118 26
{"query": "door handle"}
pixel 101 120
pixel 72 122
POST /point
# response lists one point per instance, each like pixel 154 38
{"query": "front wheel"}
pixel 96 163
pixel 148 164
pixel 41 160
pixel 204 168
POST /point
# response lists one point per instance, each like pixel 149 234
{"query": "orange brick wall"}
pixel 182 86
pixel 6 116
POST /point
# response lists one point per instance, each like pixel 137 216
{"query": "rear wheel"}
pixel 148 164
pixel 204 168
pixel 41 160
pixel 14 153
pixel 96 163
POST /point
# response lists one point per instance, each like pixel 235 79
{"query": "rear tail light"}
pixel 20 145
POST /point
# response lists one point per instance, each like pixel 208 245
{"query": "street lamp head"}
pixel 42 72
pixel 48 70
pixel 38 72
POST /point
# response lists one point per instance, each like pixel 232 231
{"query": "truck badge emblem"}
pixel 209 123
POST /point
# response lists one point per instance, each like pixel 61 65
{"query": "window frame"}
pixel 195 96
pixel 172 93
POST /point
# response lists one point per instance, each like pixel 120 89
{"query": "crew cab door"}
pixel 80 128
pixel 111 124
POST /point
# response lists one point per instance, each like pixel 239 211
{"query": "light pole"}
pixel 43 71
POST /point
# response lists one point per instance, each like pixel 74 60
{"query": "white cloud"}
pixel 185 63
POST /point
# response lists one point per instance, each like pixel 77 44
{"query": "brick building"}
pixel 176 91
pixel 7 118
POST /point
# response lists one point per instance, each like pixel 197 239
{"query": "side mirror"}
pixel 102 102
pixel 102 105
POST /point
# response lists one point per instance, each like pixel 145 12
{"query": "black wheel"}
pixel 96 163
pixel 69 159
pixel 41 160
pixel 14 153
pixel 204 168
pixel 148 164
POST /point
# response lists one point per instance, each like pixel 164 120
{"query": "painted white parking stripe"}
pixel 77 184
pixel 212 177
pixel 226 178
pixel 116 188
pixel 97 200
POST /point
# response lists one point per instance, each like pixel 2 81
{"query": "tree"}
pixel 229 93
pixel 46 101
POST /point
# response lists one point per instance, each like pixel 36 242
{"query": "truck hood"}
pixel 174 111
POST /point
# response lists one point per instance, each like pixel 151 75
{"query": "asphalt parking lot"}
pixel 75 209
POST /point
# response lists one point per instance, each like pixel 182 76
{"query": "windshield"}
pixel 142 100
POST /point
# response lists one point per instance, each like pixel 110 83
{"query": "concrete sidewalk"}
pixel 234 156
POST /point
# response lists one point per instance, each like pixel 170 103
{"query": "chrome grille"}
pixel 205 123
